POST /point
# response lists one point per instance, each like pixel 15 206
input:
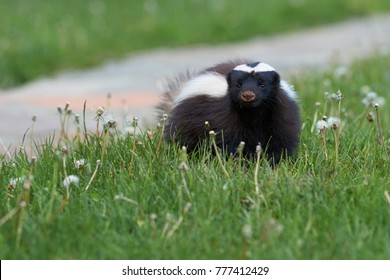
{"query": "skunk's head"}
pixel 250 85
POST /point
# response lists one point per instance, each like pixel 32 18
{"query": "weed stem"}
pixel 380 134
pixel 93 175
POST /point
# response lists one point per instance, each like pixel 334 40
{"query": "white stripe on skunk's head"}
pixel 210 83
pixel 255 67
pixel 258 67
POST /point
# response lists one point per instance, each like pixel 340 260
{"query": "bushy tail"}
pixel 171 90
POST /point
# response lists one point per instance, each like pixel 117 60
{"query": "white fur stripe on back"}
pixel 288 89
pixel 210 83
pixel 261 67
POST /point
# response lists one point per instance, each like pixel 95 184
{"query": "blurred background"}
pixel 42 37
pixel 54 52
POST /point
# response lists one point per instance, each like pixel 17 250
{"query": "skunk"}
pixel 241 101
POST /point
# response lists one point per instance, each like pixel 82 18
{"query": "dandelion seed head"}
pixel 71 180
pixel 108 120
pixel 334 122
pixel 169 217
pixel 371 98
pixel 80 163
pixel 212 134
pixel 150 133
pixel 100 111
pixel 340 71
pixel 365 89
pixel 321 125
pixel 327 83
pixel 246 231
pixel 127 131
pixel 111 124
pixel 14 181
pixel 340 95
pixel 330 96
pixel 153 216
pixel 33 160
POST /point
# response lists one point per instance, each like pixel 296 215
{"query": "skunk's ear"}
pixel 229 78
pixel 276 79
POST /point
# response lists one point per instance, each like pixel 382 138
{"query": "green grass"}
pixel 40 37
pixel 143 203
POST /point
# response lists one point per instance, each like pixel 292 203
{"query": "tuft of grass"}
pixel 39 37
pixel 112 195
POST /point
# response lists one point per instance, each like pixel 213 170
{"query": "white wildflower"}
pixel 71 180
pixel 372 98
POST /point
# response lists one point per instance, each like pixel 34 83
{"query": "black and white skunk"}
pixel 241 101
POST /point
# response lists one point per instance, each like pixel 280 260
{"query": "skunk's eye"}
pixel 239 84
pixel 261 84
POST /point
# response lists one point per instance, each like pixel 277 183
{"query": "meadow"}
pixel 120 192
pixel 40 38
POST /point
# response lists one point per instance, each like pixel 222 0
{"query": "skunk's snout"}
pixel 247 96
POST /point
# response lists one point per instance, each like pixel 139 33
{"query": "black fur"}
pixel 271 119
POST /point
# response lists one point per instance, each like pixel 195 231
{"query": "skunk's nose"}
pixel 248 96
